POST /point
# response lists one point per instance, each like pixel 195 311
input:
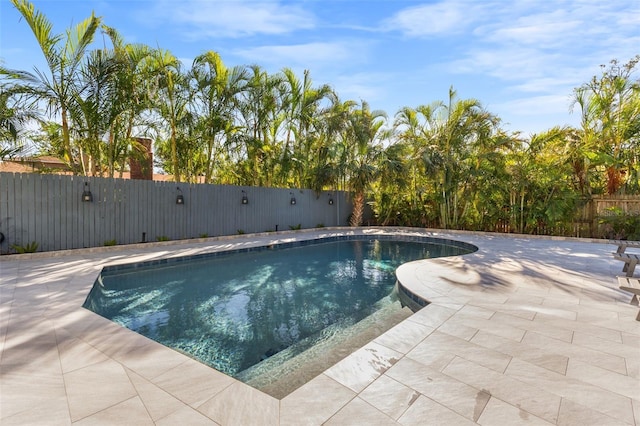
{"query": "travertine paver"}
pixel 389 396
pixel 314 402
pixel 526 330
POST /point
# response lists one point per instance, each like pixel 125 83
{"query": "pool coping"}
pixel 167 244
pixel 200 392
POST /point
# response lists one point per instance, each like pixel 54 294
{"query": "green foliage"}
pixel 31 247
pixel 204 235
pixel 610 107
pixel 320 225
pixel 620 226
pixel 295 227
pixel 110 243
pixel 162 238
pixel 240 231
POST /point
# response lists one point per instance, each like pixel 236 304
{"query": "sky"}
pixel 521 59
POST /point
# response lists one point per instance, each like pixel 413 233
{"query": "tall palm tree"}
pixel 257 150
pixel 610 107
pixel 171 101
pixel 394 199
pixel 217 90
pixel 324 170
pixel 92 119
pixel 129 101
pixel 362 151
pixel 519 166
pixel 414 129
pixel 455 128
pixel 64 55
pixel 303 111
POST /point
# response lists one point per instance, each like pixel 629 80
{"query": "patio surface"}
pixel 524 331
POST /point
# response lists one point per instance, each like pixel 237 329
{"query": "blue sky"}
pixel 521 58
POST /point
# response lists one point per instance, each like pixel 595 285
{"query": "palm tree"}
pixel 216 99
pixel 324 170
pixel 64 55
pixel 395 203
pixel 258 153
pixel 519 166
pixel 129 100
pixel 171 100
pixel 302 108
pixel 455 128
pixel 415 129
pixel 610 107
pixel 14 115
pixel 362 149
pixel 93 115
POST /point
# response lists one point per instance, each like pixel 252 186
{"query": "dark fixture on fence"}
pixel 245 200
pixel 330 199
pixel 87 197
pixel 293 199
pixel 180 197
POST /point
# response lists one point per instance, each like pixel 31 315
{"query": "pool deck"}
pixel 526 330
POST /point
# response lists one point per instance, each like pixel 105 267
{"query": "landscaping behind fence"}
pixel 46 212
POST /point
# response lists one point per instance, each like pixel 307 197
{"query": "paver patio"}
pixel 526 330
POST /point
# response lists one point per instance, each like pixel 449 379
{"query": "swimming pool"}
pixel 243 311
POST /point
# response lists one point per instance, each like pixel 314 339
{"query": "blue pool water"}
pixel 234 310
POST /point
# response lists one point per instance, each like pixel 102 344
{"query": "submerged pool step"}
pixel 281 374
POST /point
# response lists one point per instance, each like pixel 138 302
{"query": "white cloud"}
pixel 533 114
pixel 449 16
pixel 549 48
pixel 369 86
pixel 537 105
pixel 307 55
pixel 202 19
pixel 509 64
pixel 542 31
pixel 562 84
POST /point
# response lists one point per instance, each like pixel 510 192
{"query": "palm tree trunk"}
pixel 358 209
pixel 66 140
pixel 522 212
pixel 174 154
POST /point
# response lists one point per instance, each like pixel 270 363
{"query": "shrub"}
pixel 619 225
pixel 31 247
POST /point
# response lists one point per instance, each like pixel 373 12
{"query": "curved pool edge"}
pixel 417 297
pixel 434 281
pixel 292 243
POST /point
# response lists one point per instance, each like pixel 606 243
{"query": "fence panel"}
pixel 627 204
pixel 48 209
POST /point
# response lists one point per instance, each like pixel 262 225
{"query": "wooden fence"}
pixel 48 209
pixel 606 205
